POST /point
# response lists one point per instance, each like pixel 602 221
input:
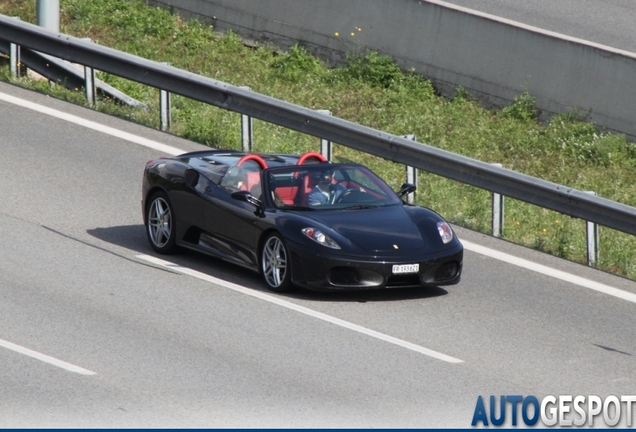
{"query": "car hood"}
pixel 379 229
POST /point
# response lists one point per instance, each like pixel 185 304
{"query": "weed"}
pixel 298 65
pixel 523 108
pixel 373 69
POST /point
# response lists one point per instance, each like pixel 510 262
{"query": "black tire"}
pixel 276 264
pixel 161 223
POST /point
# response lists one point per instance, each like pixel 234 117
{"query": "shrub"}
pixel 297 65
pixel 523 108
pixel 374 69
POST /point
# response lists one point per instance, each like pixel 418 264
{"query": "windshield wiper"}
pixel 295 207
pixel 360 207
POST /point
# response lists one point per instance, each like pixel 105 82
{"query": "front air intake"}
pixel 344 276
pixel 447 271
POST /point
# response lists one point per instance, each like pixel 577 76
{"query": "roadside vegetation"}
pixel 370 90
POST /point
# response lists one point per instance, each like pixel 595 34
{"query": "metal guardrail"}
pixel 399 149
pixel 62 72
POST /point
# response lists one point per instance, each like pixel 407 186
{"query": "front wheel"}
pixel 276 264
pixel 161 223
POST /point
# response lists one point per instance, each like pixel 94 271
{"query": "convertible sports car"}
pixel 298 220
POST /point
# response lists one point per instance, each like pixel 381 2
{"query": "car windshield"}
pixel 328 186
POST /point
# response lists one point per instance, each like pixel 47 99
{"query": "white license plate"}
pixel 406 268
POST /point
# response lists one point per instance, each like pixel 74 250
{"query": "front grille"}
pixel 446 271
pixel 397 281
pixel 344 276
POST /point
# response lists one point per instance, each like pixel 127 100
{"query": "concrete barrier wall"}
pixel 493 58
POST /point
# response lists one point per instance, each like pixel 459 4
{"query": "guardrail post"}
pixel 247 131
pixel 411 174
pixel 326 147
pixel 89 77
pixel 14 58
pixel 592 240
pixel 411 177
pixel 89 82
pixel 47 14
pixel 497 211
pixel 164 107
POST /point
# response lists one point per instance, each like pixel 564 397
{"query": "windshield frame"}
pixel 365 188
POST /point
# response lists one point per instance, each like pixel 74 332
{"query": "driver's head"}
pixel 325 176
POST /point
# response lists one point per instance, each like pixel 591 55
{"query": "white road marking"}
pixel 44 358
pixel 606 289
pixel 302 309
pixel 92 125
pixel 549 271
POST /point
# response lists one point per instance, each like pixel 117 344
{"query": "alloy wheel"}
pixel 274 263
pixel 159 222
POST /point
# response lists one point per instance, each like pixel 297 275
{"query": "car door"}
pixel 230 226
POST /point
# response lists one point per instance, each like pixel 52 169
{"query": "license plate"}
pixel 406 268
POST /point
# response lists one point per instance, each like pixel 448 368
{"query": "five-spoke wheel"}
pixel 160 223
pixel 276 264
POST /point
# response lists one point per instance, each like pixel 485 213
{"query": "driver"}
pixel 326 191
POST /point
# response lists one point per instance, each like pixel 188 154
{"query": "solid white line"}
pixel 46 359
pixel 302 309
pixel 549 271
pixel 92 125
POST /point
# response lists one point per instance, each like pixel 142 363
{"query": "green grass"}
pixel 370 90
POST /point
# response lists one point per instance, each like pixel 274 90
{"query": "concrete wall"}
pixel 493 58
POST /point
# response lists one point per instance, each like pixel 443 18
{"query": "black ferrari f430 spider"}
pixel 298 220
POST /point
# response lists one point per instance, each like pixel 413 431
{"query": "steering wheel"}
pixel 345 194
pixel 355 196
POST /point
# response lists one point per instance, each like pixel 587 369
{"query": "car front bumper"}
pixel 324 271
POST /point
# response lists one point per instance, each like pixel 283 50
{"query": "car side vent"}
pixel 191 178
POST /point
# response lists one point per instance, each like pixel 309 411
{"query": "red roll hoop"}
pixel 252 157
pixel 311 155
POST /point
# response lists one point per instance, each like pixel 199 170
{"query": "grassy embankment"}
pixel 372 91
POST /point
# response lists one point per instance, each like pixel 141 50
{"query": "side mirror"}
pixel 247 197
pixel 406 189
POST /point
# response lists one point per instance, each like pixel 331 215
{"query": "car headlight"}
pixel 320 237
pixel 445 231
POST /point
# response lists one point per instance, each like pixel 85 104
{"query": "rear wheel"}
pixel 161 223
pixel 276 264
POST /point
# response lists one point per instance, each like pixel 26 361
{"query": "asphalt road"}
pixel 606 22
pixel 162 346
